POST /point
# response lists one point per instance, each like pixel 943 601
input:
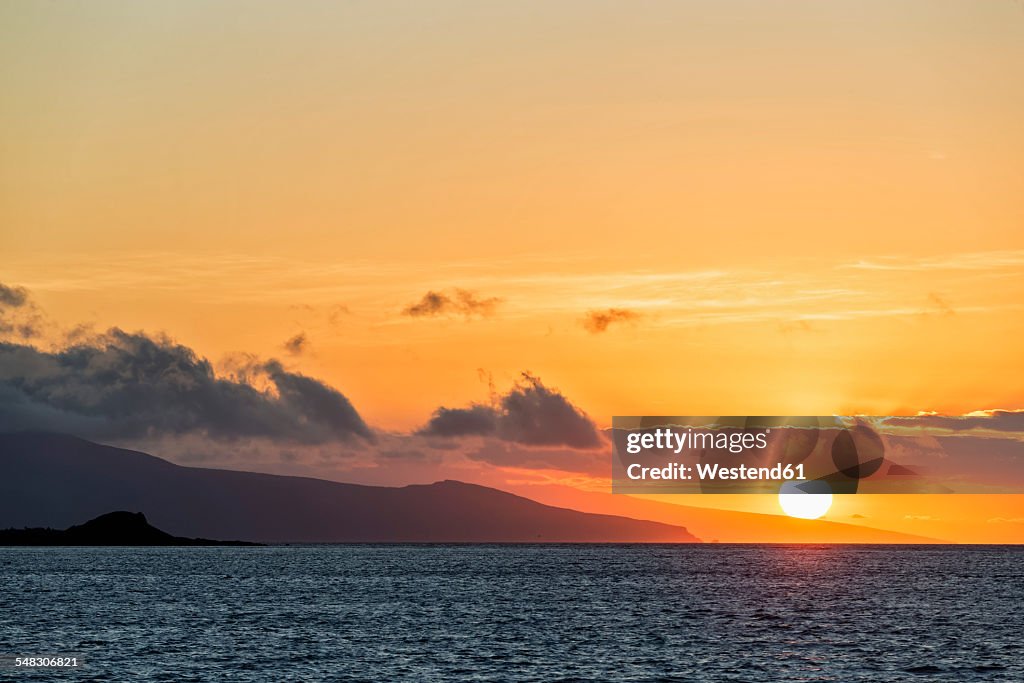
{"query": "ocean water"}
pixel 517 613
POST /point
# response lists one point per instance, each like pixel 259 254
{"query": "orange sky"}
pixel 805 207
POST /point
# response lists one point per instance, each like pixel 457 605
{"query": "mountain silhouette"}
pixel 53 480
pixel 113 528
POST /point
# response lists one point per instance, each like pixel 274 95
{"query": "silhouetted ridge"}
pixel 53 480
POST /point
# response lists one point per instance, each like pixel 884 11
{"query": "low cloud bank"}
pixel 122 385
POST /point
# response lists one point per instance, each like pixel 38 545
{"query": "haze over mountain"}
pixel 52 480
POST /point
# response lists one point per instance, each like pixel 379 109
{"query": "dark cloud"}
pixel 597 322
pixel 456 302
pixel 477 420
pixel 297 345
pixel 123 386
pixel 13 297
pixel 529 414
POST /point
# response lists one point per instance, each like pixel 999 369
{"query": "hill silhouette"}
pixel 52 480
pixel 113 528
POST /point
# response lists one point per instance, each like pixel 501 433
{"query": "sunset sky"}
pixel 705 208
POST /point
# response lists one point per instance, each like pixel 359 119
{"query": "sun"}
pixel 805 505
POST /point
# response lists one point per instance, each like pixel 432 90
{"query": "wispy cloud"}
pixel 987 260
pixel 456 302
pixel 297 344
pixel 557 290
pixel 19 316
pixel 597 322
pixel 996 423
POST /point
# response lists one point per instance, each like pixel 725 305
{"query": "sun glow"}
pixel 805 505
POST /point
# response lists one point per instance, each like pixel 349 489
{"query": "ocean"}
pixel 517 613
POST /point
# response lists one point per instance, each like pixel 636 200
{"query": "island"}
pixel 114 528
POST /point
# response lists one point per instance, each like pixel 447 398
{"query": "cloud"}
pixel 530 414
pixel 121 385
pixel 992 420
pixel 597 322
pixel 18 315
pixel 297 345
pixel 477 420
pixel 13 297
pixel 983 260
pixel 456 302
pixel 149 392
